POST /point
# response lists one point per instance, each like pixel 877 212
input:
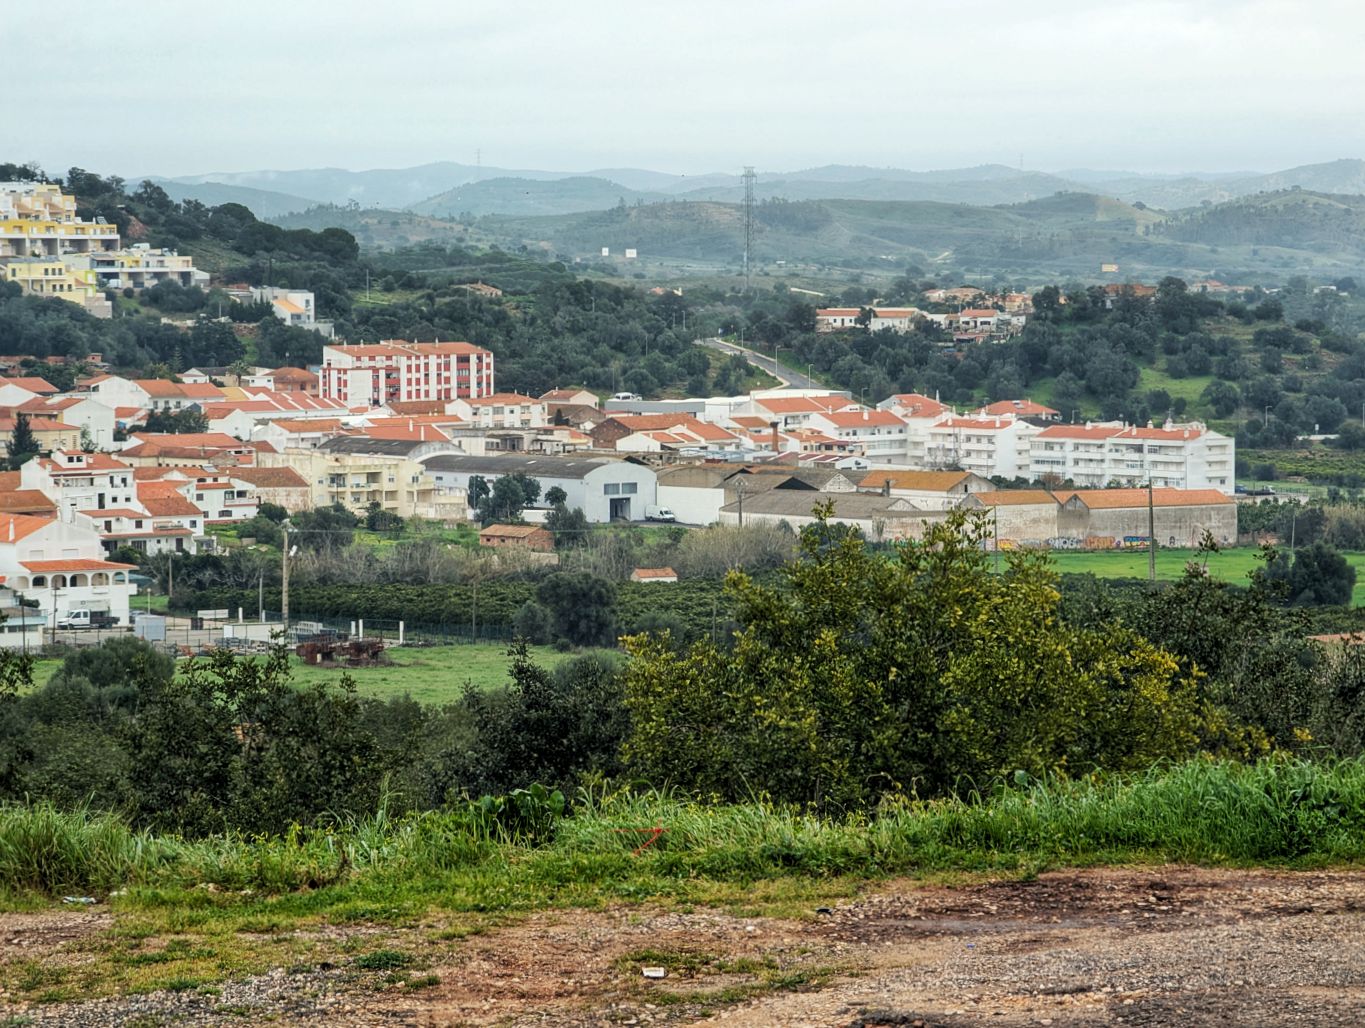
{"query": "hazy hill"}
pixel 262 202
pixel 427 188
pixel 983 190
pixel 382 187
pixel 1343 176
pixel 1064 234
pixel 1295 218
pixel 526 196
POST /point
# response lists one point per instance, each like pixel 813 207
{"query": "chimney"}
pixel 886 487
pixel 776 441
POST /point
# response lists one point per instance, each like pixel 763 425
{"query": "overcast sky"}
pixel 704 85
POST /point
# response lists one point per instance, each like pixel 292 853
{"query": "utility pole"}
pixel 284 578
pixel 1151 532
pixel 739 488
pixel 748 224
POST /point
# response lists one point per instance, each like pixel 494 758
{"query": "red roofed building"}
pixel 1020 409
pixel 377 373
pixel 1188 456
pixel 989 447
pixel 877 434
pixel 62 566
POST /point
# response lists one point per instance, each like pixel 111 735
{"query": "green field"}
pixel 1229 565
pixel 1190 388
pixel 433 674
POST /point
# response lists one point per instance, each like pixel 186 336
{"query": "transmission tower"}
pixel 748 223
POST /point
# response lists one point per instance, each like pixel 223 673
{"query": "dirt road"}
pixel 1105 947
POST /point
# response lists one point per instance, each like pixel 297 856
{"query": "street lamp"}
pixel 809 380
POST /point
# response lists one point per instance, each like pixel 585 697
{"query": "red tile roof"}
pixel 1111 499
pixel 74 564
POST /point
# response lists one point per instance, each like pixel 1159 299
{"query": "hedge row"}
pixel 697 603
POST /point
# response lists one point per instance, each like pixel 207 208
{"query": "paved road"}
pixel 790 377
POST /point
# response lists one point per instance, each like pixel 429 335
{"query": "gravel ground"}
pixel 1103 947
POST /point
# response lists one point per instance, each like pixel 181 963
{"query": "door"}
pixel 620 508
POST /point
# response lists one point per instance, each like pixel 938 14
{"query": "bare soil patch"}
pixel 1122 947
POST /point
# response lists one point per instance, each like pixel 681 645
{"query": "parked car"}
pixel 653 512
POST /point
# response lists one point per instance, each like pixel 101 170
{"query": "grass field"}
pixel 433 675
pixel 1190 388
pixel 1229 565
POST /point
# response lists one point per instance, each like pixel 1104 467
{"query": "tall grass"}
pixel 1275 811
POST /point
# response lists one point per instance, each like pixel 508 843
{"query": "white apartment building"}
pixel 1183 456
pixel 62 566
pixel 877 434
pixel 375 374
pixel 988 447
pixel 77 481
pixel 138 267
pixel 920 413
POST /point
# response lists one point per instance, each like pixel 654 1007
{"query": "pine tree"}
pixel 23 444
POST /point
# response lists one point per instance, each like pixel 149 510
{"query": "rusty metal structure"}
pixel 341 652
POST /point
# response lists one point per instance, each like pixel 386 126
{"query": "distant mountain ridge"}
pixel 448 188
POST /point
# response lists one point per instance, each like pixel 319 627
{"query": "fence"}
pixel 188 634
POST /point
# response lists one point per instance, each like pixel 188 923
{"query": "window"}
pixel 630 488
pixel 611 489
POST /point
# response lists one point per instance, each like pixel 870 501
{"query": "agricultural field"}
pixel 431 675
pixel 1233 565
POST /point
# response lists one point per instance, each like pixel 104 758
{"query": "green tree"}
pixel 186 421
pixel 510 495
pixel 548 728
pixel 583 607
pixel 569 527
pixel 23 444
pixel 859 676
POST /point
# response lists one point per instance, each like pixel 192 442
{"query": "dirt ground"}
pixel 1155 946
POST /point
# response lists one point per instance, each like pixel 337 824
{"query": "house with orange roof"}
pixel 296 433
pixel 501 410
pixel 570 397
pixel 84 412
pixel 49 433
pixel 62 565
pixel 295 307
pixel 167 448
pixel 530 537
pixel 928 490
pixel 662 576
pixel 837 319
pixel 282 486
pixel 655 433
pixel 15 392
pixel 1020 409
pixel 920 413
pixel 80 481
pixel 1096 455
pixel 878 435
